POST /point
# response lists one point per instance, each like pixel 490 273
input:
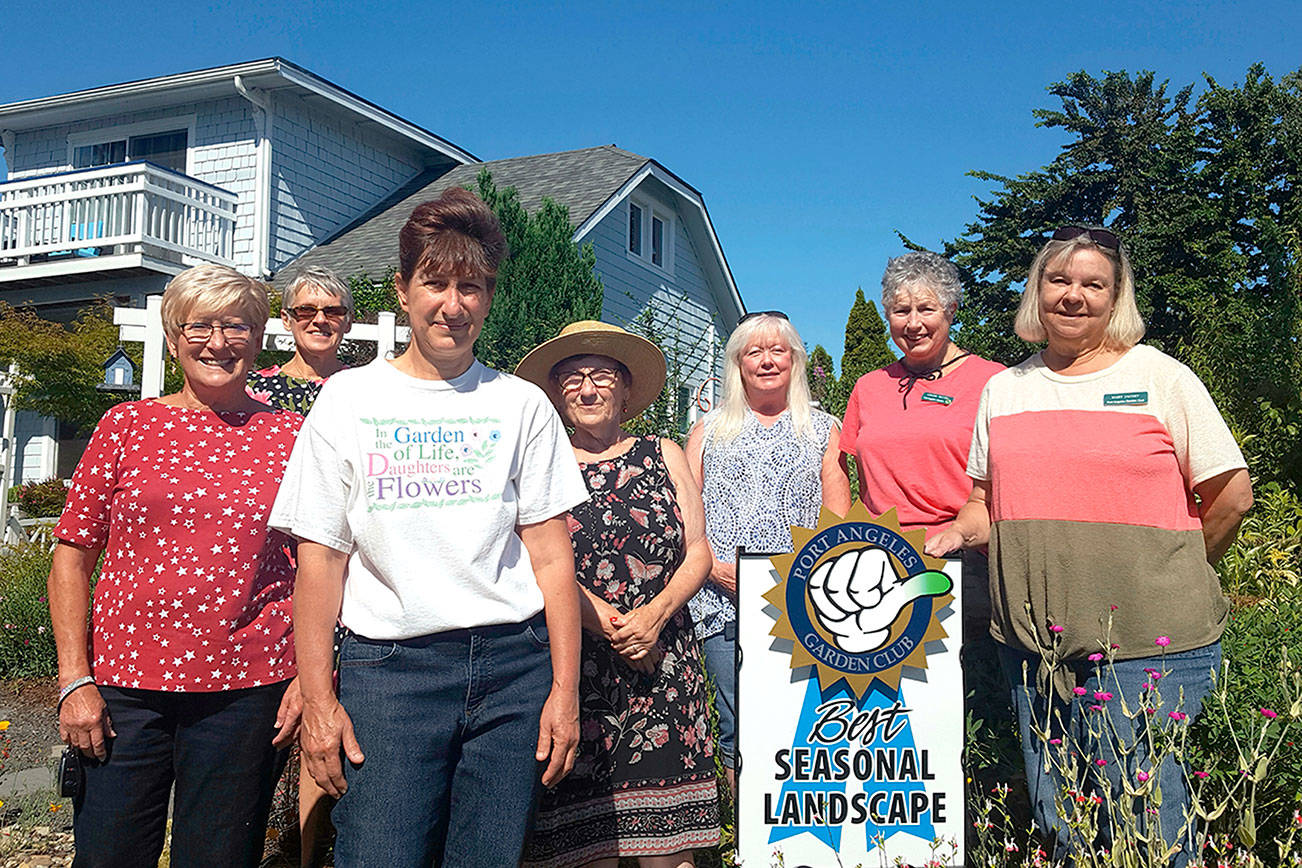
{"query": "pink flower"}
pixel 1112 608
pixel 1202 775
pixel 1100 762
pixel 1079 691
pixel 1102 695
pixel 1270 714
pixel 1177 715
pixel 1141 777
pixel 1055 628
pixel 1096 708
pixel 1162 641
pixel 1096 657
pixel 1055 741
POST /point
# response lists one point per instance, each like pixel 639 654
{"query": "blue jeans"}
pixel 449 726
pixel 720 656
pixel 1116 739
pixel 216 748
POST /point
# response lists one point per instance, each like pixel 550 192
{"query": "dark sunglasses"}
pixel 307 312
pixel 777 313
pixel 1102 237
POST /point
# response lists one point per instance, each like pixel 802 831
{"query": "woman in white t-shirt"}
pixel 1107 485
pixel 429 495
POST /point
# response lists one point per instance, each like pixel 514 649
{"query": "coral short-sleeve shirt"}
pixel 195 590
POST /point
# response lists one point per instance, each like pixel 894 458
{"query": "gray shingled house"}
pixel 265 166
pixel 654 243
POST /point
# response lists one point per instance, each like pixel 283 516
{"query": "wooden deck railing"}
pixel 130 207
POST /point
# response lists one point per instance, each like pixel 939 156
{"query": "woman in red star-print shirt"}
pixel 182 677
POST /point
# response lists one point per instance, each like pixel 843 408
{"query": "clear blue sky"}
pixel 814 130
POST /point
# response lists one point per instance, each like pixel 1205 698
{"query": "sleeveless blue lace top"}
pixel 755 488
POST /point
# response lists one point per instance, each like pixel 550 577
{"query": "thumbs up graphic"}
pixel 857 595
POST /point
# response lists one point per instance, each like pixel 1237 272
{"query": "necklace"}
pixel 911 377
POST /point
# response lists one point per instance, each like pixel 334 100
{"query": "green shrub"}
pixel 43 499
pixel 26 638
pixel 1266 559
pixel 1253 642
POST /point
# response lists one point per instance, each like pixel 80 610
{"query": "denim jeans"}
pixel 448 724
pixel 1115 739
pixel 720 657
pixel 216 747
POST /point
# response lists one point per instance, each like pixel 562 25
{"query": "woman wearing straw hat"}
pixel 643 783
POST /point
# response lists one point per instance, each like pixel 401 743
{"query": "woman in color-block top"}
pixel 183 676
pixel 1108 485
pixel 908 426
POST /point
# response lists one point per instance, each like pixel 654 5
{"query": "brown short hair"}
pixel 454 234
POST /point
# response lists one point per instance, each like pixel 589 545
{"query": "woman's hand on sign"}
pixel 943 543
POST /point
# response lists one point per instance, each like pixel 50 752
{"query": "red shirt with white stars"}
pixel 195 591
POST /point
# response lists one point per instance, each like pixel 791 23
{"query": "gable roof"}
pixel 589 182
pixel 272 73
pixel 581 180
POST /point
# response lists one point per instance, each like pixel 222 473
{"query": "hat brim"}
pixel 642 358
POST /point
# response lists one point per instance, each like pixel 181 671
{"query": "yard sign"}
pixel 850 700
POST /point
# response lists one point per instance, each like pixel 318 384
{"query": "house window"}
pixel 650 234
pixel 634 229
pixel 166 149
pixel 657 241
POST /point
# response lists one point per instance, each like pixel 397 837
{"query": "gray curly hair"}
pixel 922 269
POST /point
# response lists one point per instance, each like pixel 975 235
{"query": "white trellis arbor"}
pixel 145 325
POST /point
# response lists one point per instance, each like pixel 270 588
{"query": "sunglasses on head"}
pixel 1102 237
pixel 777 313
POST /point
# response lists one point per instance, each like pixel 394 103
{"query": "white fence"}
pixel 128 207
pixel 145 325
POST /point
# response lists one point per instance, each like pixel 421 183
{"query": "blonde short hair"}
pixel 211 288
pixel 1125 326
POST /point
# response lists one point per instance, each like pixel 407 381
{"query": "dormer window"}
pixel 166 149
pixel 164 144
pixel 650 234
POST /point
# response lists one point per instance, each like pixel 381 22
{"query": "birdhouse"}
pixel 119 373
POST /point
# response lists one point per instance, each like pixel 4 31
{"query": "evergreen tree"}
pixel 867 348
pixel 820 373
pixel 1207 196
pixel 547 283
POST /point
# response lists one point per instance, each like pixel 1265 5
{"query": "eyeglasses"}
pixel 1102 237
pixel 201 332
pixel 602 378
pixel 308 312
pixel 777 313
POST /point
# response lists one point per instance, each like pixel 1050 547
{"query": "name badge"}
pixel 1119 398
pixel 936 398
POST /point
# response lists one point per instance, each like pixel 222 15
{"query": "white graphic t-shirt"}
pixel 423 483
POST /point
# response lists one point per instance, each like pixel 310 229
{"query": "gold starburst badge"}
pixel 859 600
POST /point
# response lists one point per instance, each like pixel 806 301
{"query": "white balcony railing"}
pixel 125 208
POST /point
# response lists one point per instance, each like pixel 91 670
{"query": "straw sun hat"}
pixel 593 338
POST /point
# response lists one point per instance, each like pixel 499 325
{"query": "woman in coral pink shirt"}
pixel 182 676
pixel 908 425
